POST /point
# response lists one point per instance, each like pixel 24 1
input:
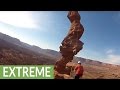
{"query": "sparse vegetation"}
pixel 12 54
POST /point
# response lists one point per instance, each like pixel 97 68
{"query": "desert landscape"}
pixel 15 52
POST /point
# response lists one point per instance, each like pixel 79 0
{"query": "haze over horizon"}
pixel 47 29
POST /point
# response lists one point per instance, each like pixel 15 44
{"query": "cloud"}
pixel 109 56
pixel 110 51
pixel 18 18
pixel 113 59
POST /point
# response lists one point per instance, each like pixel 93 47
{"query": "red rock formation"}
pixel 71 44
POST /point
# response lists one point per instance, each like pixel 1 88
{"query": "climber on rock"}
pixel 78 70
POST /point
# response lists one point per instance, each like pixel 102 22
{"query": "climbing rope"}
pixel 72 73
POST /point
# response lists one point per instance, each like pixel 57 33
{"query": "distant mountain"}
pixel 87 61
pixel 12 43
pixel 15 52
pixel 10 39
pixel 16 55
pixel 12 53
pixel 51 53
pixel 15 41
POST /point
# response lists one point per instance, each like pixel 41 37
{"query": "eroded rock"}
pixel 71 44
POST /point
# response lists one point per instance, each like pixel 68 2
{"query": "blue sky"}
pixel 47 29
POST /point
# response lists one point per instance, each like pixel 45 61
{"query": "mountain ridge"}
pixel 15 52
pixel 48 52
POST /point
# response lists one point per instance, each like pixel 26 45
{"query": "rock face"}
pixel 71 44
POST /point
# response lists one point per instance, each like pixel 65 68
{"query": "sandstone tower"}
pixel 71 44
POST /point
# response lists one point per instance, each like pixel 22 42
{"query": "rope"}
pixel 72 71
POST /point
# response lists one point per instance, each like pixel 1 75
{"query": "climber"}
pixel 78 70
